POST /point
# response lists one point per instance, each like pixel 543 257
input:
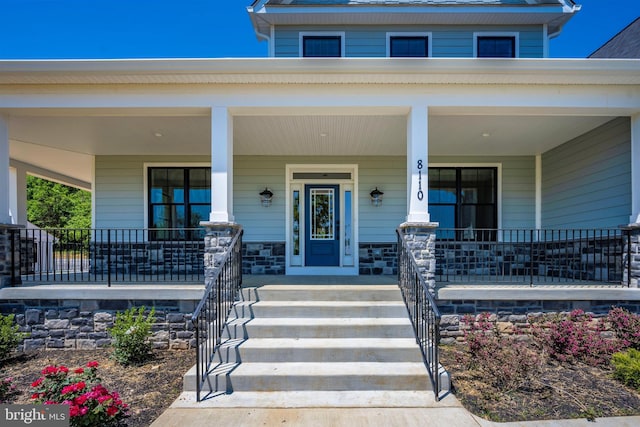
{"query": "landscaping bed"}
pixel 148 389
pixel 561 391
pixel 557 366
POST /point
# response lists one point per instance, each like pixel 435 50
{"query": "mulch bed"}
pixel 562 391
pixel 148 389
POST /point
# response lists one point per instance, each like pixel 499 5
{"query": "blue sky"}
pixel 44 29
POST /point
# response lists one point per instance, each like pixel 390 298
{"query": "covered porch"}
pixel 560 149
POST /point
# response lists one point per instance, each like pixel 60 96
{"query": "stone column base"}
pixel 216 245
pixel 9 255
pixel 631 256
pixel 421 240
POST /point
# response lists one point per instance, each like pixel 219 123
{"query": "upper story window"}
pixel 321 45
pixel 178 198
pixel 496 45
pixel 408 45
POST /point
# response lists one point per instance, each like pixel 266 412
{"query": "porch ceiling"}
pixel 65 141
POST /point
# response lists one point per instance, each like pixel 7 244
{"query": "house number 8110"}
pixel 420 193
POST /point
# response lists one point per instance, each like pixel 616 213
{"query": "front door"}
pixel 322 222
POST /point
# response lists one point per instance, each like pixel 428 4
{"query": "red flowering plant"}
pixel 90 403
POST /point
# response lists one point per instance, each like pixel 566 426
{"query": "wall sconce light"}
pixel 265 197
pixel 376 197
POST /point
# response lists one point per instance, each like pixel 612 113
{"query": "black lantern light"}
pixel 376 197
pixel 265 197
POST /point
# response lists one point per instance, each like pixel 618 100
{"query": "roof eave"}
pixel 322 71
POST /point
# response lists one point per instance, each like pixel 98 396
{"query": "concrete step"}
pixel 276 350
pixel 316 399
pixel 311 308
pixel 322 293
pixel 303 327
pixel 301 376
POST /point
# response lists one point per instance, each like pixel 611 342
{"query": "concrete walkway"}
pixel 446 413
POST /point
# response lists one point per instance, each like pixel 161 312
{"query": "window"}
pixel 409 46
pixel 178 198
pixel 322 46
pixel 463 198
pixel 495 47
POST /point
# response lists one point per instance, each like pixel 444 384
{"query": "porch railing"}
pixel 568 256
pixel 211 314
pixel 423 311
pixel 109 255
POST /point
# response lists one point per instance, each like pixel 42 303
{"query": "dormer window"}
pixel 495 45
pixel 321 45
pixel 408 45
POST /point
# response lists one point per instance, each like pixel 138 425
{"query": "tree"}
pixel 53 205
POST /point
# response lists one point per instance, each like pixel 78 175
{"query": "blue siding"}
pixel 447 41
pixel 586 183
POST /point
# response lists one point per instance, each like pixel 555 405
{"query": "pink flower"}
pixel 111 411
pixel 80 400
pixel 80 386
pixel 78 371
pixel 68 389
pixel 63 369
pixel 37 382
pixel 92 364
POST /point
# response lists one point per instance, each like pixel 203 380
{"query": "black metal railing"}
pixel 571 256
pixel 423 310
pixel 210 316
pixel 109 255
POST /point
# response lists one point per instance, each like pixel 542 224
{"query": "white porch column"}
pixel 18 195
pixel 635 169
pixel 221 165
pixel 418 165
pixel 5 181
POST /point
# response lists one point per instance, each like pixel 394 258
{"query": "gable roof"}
pixel 625 44
pixel 268 13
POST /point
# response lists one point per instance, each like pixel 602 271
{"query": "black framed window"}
pixel 464 198
pixel 178 198
pixel 496 47
pixel 322 46
pixel 409 46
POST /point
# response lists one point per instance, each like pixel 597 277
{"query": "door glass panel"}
pixel 322 213
pixel 296 222
pixel 347 223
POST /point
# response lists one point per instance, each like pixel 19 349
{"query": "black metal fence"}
pixel 212 312
pixel 423 311
pixel 577 256
pixel 109 255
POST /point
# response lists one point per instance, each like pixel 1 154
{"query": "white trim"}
pixel 428 35
pixel 295 266
pixel 514 34
pixel 538 191
pixel 635 169
pixel 272 41
pixel 145 180
pixel 93 192
pixel 303 34
pixel 14 213
pixel 498 167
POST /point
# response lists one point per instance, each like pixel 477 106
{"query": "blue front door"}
pixel 322 222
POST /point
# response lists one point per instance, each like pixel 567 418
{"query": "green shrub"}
pixel 130 333
pixel 9 336
pixel 626 366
